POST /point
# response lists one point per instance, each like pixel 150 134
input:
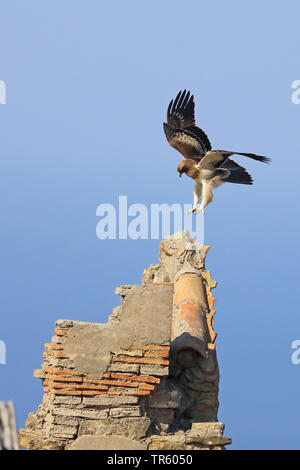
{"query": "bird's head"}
pixel 180 168
pixel 184 166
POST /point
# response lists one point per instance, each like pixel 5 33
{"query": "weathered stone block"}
pixel 33 420
pixel 166 443
pixel 79 413
pixel 104 401
pixel 65 432
pixel 124 412
pixel 91 442
pixel 134 428
pixel 154 370
pixel 38 373
pixel 198 447
pixel 67 400
pixel 121 367
pixel 206 429
pixel 65 420
pixel 36 440
pixel 209 441
pixel 155 273
pixel 62 323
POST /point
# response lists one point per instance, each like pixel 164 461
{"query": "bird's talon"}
pixel 200 210
pixel 192 211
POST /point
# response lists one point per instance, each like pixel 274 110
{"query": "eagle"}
pixel 208 168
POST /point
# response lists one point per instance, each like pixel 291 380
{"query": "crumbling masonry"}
pixel 148 379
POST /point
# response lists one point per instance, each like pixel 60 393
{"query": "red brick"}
pixel 136 378
pixel 59 378
pixel 151 348
pixel 157 354
pixel 92 381
pixel 59 355
pixel 53 370
pixel 111 392
pixel 93 387
pixel 120 383
pixel 53 346
pixel 161 283
pixel 74 385
pixel 136 392
pixel 146 387
pixel 93 392
pixel 60 332
pixel 138 360
pixel 64 392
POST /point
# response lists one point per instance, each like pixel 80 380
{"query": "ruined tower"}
pixel 147 379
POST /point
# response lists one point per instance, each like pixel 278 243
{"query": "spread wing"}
pixel 181 130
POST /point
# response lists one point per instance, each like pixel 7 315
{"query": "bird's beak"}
pixel 179 174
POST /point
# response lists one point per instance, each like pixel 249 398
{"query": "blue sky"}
pixel 88 84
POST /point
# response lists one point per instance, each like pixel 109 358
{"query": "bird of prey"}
pixel 208 168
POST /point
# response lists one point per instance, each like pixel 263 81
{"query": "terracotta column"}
pixel 189 325
pixel 193 352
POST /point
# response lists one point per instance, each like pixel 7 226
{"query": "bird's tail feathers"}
pixel 260 158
